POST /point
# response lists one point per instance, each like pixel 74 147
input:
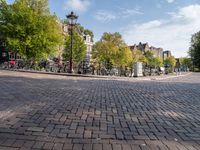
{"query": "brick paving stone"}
pixel 68 147
pixel 97 147
pixel 58 146
pixel 107 147
pixel 28 144
pixel 2 140
pixel 36 129
pixel 119 135
pixel 45 139
pixel 87 134
pixel 141 137
pixel 116 147
pixel 48 146
pixel 135 147
pixel 8 148
pixel 78 147
pixel 71 135
pixel 126 147
pixel 38 145
pixel 9 142
pixel 121 113
pixel 18 143
pixel 87 147
pixel 81 141
pixel 24 148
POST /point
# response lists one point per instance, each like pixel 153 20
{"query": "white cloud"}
pixel 170 1
pixel 130 12
pixel 77 5
pixel 171 34
pixel 104 16
pixel 191 12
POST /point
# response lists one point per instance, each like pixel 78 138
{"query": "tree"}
pixel 89 32
pixel 123 56
pixel 171 62
pixel 84 31
pixel 150 59
pixel 152 62
pixel 186 63
pixel 158 62
pixel 137 56
pixel 78 48
pixel 111 51
pixel 39 6
pixel 3 7
pixel 194 51
pixel 31 32
pixel 103 54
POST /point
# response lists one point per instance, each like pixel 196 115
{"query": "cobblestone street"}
pixel 73 113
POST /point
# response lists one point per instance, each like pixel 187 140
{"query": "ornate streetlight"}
pixel 72 19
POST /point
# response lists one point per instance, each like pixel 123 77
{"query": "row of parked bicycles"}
pixel 82 68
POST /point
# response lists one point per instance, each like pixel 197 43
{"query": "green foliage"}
pixel 151 61
pixel 111 51
pixel 30 29
pixel 84 31
pixel 78 48
pixel 194 51
pixel 186 62
pixel 89 32
pixel 39 6
pixel 171 61
pixel 158 62
pixel 123 56
pixel 137 56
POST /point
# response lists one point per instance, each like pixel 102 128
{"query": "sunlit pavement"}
pixel 40 111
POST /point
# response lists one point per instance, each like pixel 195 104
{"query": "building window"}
pixel 11 56
pixel 18 57
pixel 65 28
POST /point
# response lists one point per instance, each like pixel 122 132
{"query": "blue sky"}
pixel 162 23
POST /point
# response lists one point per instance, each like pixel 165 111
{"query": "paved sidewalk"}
pixel 40 111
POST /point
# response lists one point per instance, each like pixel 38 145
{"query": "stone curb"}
pixel 100 77
pixel 61 74
pixel 166 77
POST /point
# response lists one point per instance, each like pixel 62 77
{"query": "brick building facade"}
pixel 144 47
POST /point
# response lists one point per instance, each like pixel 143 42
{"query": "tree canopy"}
pixel 186 62
pixel 194 51
pixel 137 56
pixel 111 51
pixel 78 48
pixel 29 28
pixel 170 62
pixel 83 31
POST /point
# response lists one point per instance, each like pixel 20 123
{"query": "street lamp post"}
pixel 72 18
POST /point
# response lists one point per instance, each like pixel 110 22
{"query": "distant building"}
pixel 89 43
pixel 87 38
pixel 166 54
pixel 157 52
pixel 6 55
